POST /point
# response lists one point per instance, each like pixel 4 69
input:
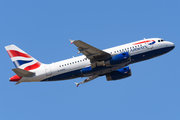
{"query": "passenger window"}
pixel 68 64
pixel 60 66
pixel 72 62
pixel 114 51
pixel 65 64
pixel 80 60
pixel 159 41
pixel 162 40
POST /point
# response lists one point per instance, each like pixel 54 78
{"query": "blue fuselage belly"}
pixel 65 76
pixel 134 59
pixel 150 54
pixel 74 74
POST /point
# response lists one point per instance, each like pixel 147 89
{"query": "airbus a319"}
pixel 112 63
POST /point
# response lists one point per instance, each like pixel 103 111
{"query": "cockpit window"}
pixel 160 40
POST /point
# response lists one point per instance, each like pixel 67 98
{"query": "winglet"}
pixel 77 84
pixel 71 41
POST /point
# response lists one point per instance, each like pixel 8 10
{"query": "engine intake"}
pixel 119 74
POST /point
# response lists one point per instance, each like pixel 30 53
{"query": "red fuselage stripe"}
pixel 143 42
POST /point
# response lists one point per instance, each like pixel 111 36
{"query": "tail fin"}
pixel 21 59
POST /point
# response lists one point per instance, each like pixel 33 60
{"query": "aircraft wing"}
pixel 92 53
pixel 87 80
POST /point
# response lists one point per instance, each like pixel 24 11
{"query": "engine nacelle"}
pixel 122 58
pixel 86 70
pixel 119 74
pixel 118 59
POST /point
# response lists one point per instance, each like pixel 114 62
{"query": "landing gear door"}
pixel 48 70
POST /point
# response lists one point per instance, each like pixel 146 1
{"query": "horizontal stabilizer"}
pixel 18 82
pixel 23 73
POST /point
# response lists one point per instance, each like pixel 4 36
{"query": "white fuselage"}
pixel 71 68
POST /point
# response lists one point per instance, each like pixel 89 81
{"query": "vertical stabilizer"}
pixel 21 59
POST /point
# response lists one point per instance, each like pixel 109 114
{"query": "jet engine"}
pixel 122 58
pixel 118 59
pixel 119 74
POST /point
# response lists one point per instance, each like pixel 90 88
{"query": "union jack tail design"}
pixel 21 59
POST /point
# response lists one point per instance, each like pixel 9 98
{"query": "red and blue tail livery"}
pixel 113 62
pixel 21 59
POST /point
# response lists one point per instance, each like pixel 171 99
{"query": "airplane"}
pixel 112 63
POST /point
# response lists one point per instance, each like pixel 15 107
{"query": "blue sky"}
pixel 42 29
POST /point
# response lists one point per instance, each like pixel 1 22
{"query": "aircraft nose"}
pixel 171 45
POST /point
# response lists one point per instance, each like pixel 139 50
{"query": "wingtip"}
pixel 71 41
pixel 77 84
